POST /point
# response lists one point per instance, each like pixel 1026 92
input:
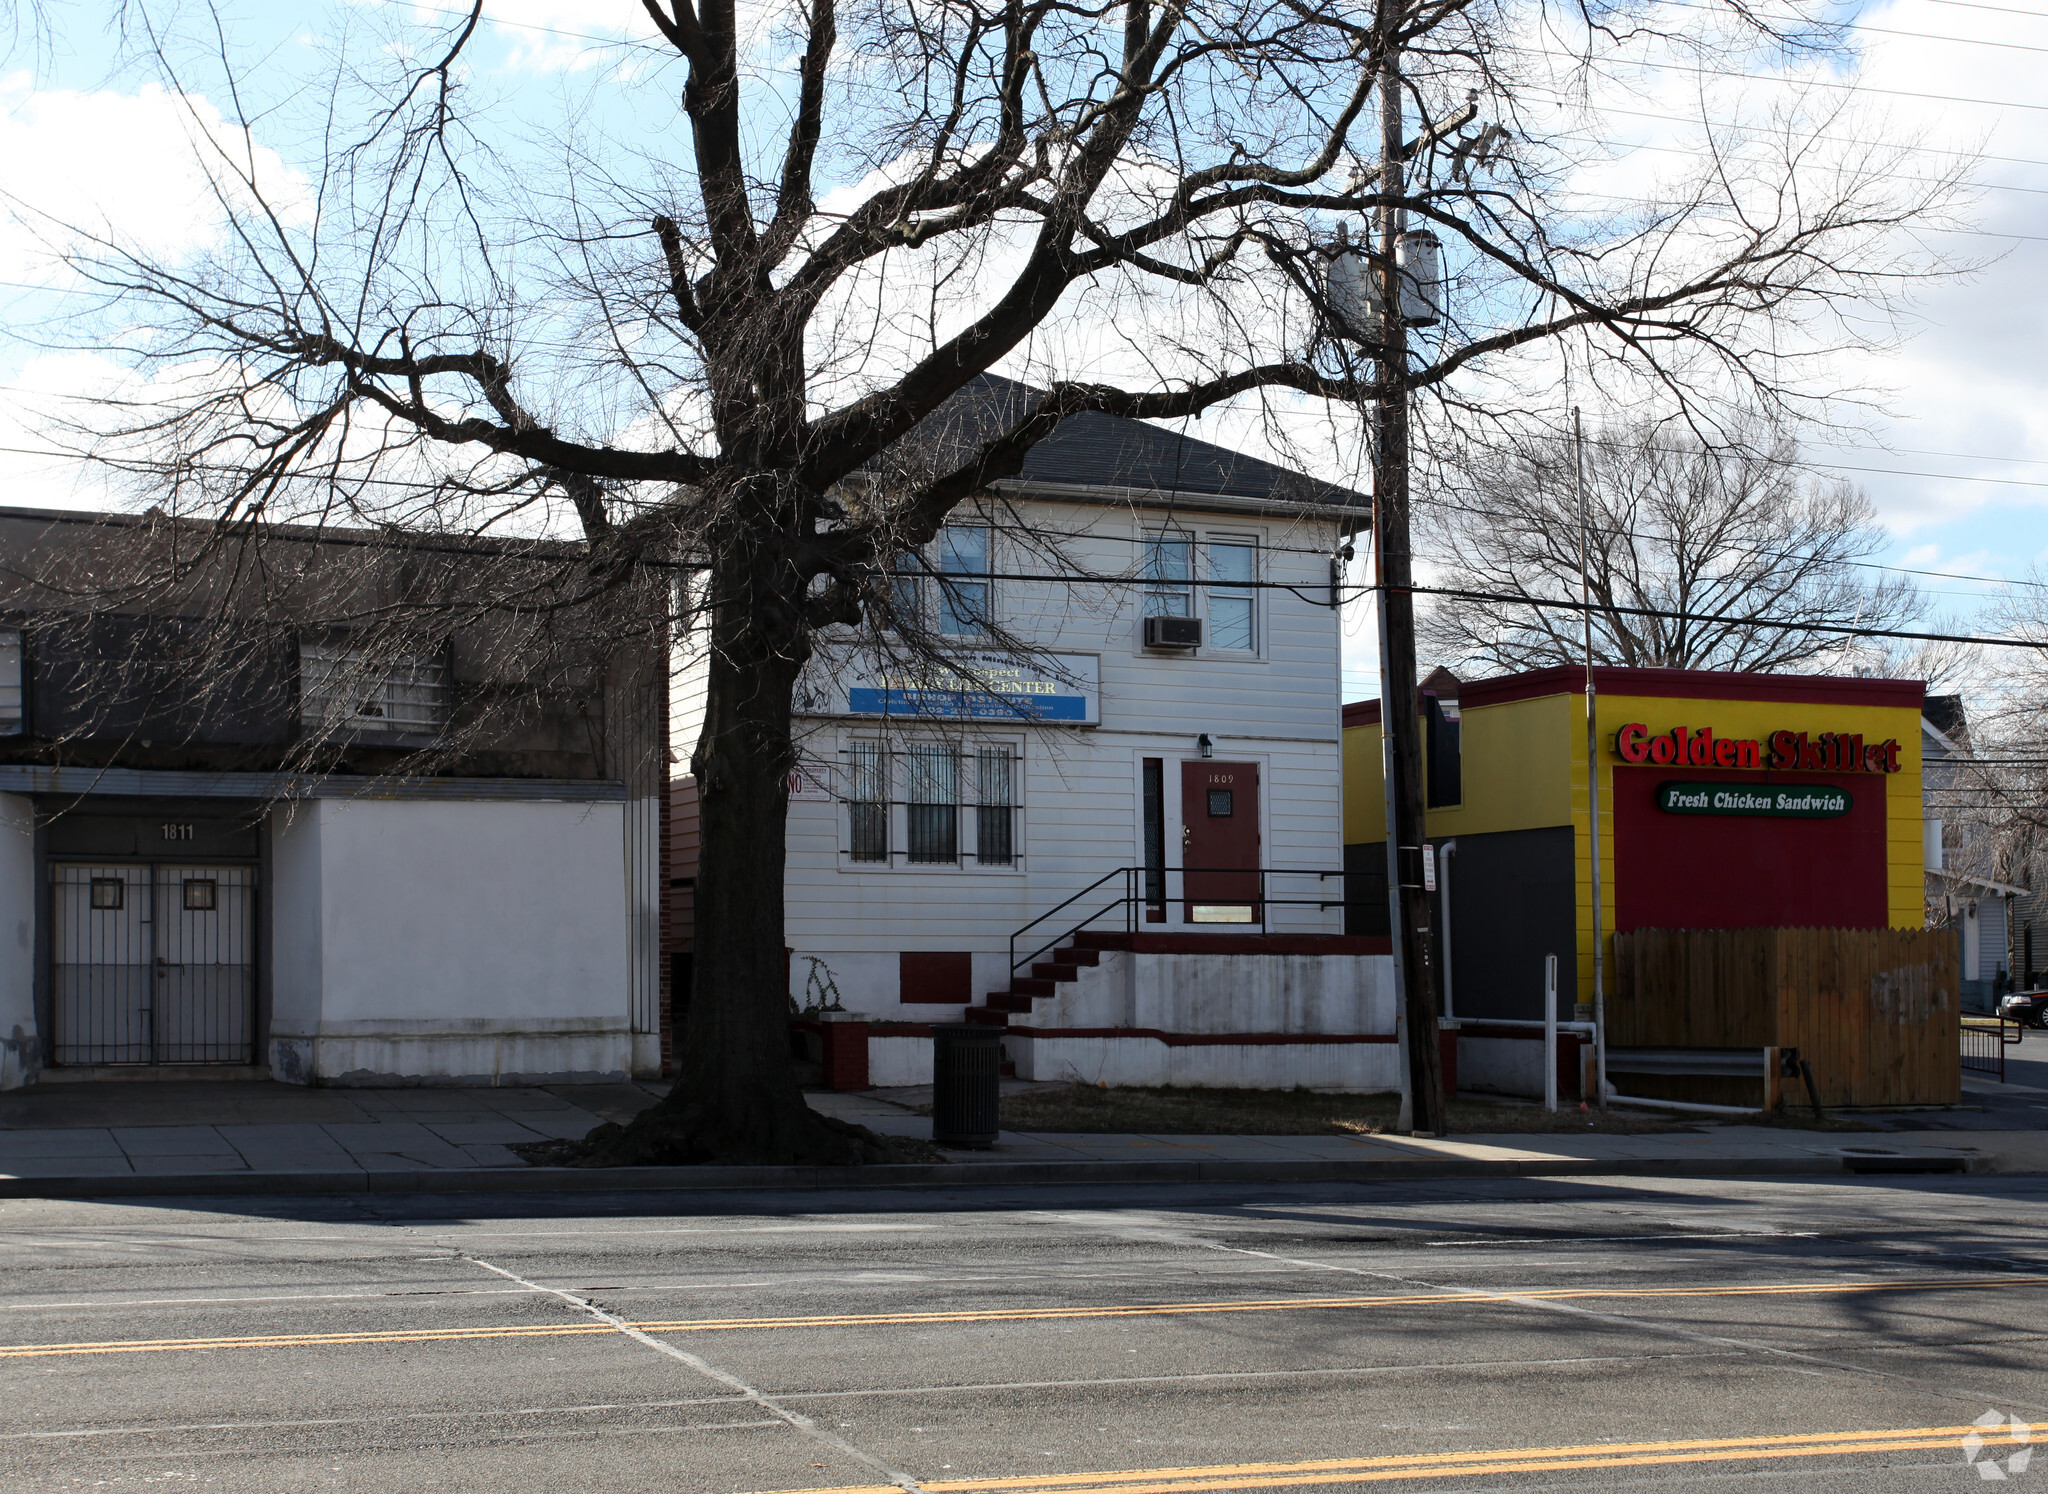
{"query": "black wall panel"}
pixel 1515 900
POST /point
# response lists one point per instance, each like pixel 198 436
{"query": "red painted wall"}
pixel 1711 871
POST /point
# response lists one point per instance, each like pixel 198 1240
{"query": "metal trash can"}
pixel 967 1062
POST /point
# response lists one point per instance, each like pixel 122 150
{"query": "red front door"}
pixel 1219 815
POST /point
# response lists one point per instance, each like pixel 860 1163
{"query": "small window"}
pixel 109 893
pixel 867 801
pixel 1444 775
pixel 202 895
pixel 10 682
pixel 351 691
pixel 963 604
pixel 1221 805
pixel 906 589
pixel 932 818
pixel 1168 574
pixel 1154 777
pixel 1229 571
pixel 995 838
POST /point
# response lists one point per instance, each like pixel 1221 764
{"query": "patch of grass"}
pixel 1086 1108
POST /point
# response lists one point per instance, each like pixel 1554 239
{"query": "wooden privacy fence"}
pixel 1875 1011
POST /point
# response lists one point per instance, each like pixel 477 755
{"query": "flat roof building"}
pixel 1726 801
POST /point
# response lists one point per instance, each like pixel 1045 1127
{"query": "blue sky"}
pixel 1956 462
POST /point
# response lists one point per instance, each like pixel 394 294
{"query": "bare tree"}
pixel 689 352
pixel 1686 543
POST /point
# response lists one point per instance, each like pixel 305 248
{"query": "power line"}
pixel 2004 10
pixel 1494 516
pixel 1833 629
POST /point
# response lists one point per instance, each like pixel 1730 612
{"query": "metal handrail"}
pixel 1133 899
pixel 1121 871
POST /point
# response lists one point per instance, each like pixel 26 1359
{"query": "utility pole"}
pixel 1597 1011
pixel 1400 719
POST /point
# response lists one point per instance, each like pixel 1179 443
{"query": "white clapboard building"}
pixel 1110 819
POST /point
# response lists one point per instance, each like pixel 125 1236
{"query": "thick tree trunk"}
pixel 736 1097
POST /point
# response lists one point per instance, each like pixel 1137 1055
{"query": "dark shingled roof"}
pixel 1093 450
pixel 1945 714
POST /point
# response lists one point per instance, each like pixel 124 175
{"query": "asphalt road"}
pixel 1818 1336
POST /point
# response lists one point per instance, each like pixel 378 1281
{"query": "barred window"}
pixel 11 693
pixel 347 690
pixel 932 803
pixel 867 801
pixel 995 804
pixel 932 815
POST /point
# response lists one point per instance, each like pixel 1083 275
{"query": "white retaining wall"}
pixel 466 942
pixel 1148 1061
pixel 1220 993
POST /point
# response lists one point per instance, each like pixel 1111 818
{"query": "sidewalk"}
pixel 83 1140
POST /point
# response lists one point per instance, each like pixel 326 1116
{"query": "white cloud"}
pixel 137 168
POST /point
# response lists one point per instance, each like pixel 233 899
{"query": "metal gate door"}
pixel 153 964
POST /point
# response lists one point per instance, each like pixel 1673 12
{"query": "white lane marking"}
pixel 262 1297
pixel 378 1228
pixel 832 1395
pixel 688 1286
pixel 1622 1320
pixel 361 1421
pixel 1730 1234
pixel 796 1419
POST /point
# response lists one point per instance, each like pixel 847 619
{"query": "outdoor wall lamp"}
pixel 1204 746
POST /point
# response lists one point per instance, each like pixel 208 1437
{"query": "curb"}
pixel 940 1175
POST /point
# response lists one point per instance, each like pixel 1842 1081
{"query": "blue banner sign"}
pixel 1064 688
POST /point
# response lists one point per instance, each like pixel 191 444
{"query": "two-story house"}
pixel 1124 770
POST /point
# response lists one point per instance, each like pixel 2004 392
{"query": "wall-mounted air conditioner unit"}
pixel 1173 632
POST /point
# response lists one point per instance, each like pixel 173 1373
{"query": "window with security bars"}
pixel 867 801
pixel 958 804
pixel 932 805
pixel 11 682
pixel 350 691
pixel 995 807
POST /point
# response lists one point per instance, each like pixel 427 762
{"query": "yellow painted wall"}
pixel 1525 769
pixel 1517 772
pixel 1365 789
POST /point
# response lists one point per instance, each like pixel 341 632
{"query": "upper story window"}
pixel 1168 575
pixel 1229 567
pixel 1211 577
pixel 958 575
pixel 11 682
pixel 1443 753
pixel 963 580
pixel 350 690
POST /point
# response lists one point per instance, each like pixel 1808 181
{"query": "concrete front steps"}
pixel 998 1008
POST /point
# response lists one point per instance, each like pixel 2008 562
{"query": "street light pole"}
pixel 1400 719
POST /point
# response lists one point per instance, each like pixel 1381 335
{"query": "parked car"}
pixel 2029 1007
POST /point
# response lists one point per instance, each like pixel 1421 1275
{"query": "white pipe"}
pixel 1443 888
pixel 1585 1028
pixel 1550 1032
pixel 1683 1105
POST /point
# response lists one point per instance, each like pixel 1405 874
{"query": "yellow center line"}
pixel 1455 1464
pixel 998 1315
